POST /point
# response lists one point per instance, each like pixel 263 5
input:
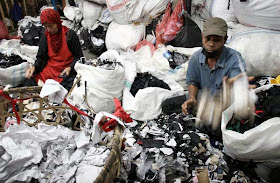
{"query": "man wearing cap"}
pixel 208 66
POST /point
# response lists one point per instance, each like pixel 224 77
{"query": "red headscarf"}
pixel 51 16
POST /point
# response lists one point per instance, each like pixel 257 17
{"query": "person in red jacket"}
pixel 59 50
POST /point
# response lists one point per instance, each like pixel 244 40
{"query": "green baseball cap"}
pixel 215 26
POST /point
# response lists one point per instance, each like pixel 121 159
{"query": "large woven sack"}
pixel 128 11
pixel 123 37
pixel 146 104
pixel 259 48
pixel 102 85
pixel 14 75
pixel 91 13
pixel 258 144
pixel 259 13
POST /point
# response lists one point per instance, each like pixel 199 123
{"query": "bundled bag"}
pixel 14 75
pixel 98 85
pixel 129 11
pixel 91 12
pixel 259 48
pixel 69 12
pixel 258 13
pixel 123 37
pixel 258 144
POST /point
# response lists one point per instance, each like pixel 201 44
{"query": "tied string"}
pixel 13 101
pixel 120 113
pixel 76 109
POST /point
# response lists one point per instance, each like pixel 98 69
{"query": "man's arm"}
pixel 193 90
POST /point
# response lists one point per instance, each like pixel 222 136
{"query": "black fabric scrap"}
pixel 8 61
pixel 150 143
pixel 144 80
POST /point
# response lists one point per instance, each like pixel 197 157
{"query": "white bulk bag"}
pixel 123 37
pixel 69 12
pixel 128 11
pixel 152 9
pixel 146 104
pixel 122 9
pixel 91 12
pixel 259 48
pixel 259 13
pixel 102 85
pixel 260 143
pixel 14 75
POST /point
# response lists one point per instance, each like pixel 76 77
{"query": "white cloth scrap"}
pixel 54 90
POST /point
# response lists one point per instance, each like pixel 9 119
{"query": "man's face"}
pixel 51 28
pixel 212 43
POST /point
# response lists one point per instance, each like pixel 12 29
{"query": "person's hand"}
pixel 230 81
pixel 188 104
pixel 66 71
pixel 29 72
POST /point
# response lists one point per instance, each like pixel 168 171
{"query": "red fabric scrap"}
pixel 120 113
pixel 13 101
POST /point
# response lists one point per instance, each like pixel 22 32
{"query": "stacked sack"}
pixel 257 39
pixel 90 20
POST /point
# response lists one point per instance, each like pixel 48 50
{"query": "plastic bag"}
pixel 161 27
pixel 189 36
pixel 145 43
pixel 175 23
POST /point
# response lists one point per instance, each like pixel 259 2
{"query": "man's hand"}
pixel 29 72
pixel 188 104
pixel 66 71
pixel 230 81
